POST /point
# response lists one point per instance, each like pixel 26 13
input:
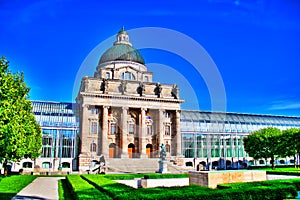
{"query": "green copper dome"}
pixel 122 50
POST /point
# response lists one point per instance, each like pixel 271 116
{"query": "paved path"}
pixel 43 188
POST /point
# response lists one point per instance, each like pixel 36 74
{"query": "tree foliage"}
pixel 290 143
pixel 20 135
pixel 263 143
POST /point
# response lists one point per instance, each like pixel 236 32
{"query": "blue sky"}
pixel 254 44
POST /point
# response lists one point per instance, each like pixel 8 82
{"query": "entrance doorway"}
pixel 131 150
pixel 112 150
pixel 149 149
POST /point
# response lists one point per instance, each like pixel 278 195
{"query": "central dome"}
pixel 122 51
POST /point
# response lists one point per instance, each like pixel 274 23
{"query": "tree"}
pixel 290 143
pixel 263 144
pixel 20 134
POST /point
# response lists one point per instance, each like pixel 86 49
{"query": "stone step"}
pixel 132 165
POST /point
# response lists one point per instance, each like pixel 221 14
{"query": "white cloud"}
pixel 284 105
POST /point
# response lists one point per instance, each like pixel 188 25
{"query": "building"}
pixel 123 114
pixel 59 143
pixel 217 138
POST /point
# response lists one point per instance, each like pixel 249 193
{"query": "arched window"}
pixel 167 130
pixel 46 165
pixel 107 75
pixel 27 165
pixel 127 76
pixel 93 147
pixel 168 148
pixel 65 165
pixel 146 79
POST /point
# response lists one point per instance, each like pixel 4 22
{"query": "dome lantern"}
pixel 122 50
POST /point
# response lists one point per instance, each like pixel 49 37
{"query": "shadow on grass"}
pixel 64 190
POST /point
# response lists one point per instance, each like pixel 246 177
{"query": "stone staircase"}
pixel 132 165
pixel 140 166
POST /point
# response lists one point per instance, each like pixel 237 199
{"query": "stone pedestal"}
pixel 163 167
pixel 213 178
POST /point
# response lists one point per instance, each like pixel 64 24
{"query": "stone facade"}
pixel 123 114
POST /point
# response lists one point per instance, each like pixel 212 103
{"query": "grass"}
pixel 265 190
pixel 11 185
pixel 64 191
pixel 279 170
pixel 80 189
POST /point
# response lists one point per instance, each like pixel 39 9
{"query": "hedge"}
pixel 80 189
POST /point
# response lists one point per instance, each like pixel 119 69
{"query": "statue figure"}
pixel 163 153
pixel 175 91
pixel 141 89
pixel 104 86
pixel 102 166
pixel 122 87
pixel 157 90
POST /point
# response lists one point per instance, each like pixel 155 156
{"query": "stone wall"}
pixel 213 178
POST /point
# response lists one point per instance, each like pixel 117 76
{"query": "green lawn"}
pixel 104 187
pixel 11 185
pixel 280 170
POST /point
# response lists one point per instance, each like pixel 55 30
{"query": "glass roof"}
pixel 239 118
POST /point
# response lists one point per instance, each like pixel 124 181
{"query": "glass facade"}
pixel 59 128
pixel 214 134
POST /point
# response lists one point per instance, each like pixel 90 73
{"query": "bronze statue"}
pixel 122 87
pixel 141 89
pixel 157 90
pixel 104 86
pixel 175 91
pixel 163 153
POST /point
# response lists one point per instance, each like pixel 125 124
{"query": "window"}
pixel 146 79
pixel 168 148
pixel 47 140
pixel 131 129
pixel 67 148
pixel 94 127
pixel 127 76
pixel 46 152
pixel 113 128
pixel 65 165
pixel 107 75
pixel 167 130
pixel 93 147
pixel 46 165
pixel 27 165
pixel 94 110
pixel 149 130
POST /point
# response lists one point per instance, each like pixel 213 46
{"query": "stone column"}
pixel 84 158
pixel 105 131
pixel 178 134
pixel 143 134
pixel 161 133
pixel 124 153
